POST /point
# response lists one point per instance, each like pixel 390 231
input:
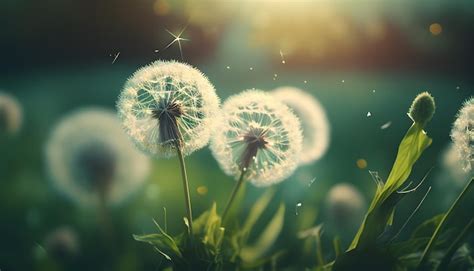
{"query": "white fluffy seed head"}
pixel 452 167
pixel 88 151
pixel 259 135
pixel 11 115
pixel 462 135
pixel 166 102
pixel 345 205
pixel 314 122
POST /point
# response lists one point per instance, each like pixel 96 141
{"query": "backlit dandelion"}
pixel 168 103
pixel 462 135
pixel 259 138
pixel 258 135
pixel 169 108
pixel 345 206
pixel 314 122
pixel 10 114
pixel 91 160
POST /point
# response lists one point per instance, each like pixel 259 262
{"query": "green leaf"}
pixel 163 243
pixel 266 239
pixel 381 210
pixel 257 210
pixel 427 228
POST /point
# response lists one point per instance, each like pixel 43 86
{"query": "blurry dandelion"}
pixel 165 104
pixel 258 135
pixel 452 165
pixel 91 160
pixel 313 119
pixel 345 206
pixel 62 243
pixel 10 114
pixel 462 135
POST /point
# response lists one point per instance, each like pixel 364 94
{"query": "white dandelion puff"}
pixel 257 135
pixel 345 206
pixel 462 135
pixel 168 103
pixel 452 166
pixel 314 122
pixel 88 153
pixel 11 115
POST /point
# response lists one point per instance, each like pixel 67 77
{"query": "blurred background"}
pixel 363 60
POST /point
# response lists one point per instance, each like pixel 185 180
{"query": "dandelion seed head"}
pixel 344 205
pixel 423 108
pixel 314 122
pixel 88 153
pixel 453 166
pixel 259 135
pixel 165 103
pixel 462 135
pixel 11 115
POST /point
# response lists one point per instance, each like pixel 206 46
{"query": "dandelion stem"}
pixel 319 250
pixel 187 197
pixel 442 224
pixel 236 189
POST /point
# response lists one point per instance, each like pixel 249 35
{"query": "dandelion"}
pixel 462 135
pixel 258 137
pixel 313 119
pixel 168 103
pixel 452 164
pixel 91 160
pixel 345 206
pixel 168 109
pixel 10 114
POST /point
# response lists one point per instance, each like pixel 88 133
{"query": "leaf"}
pixel 163 243
pixel 409 246
pixel 257 210
pixel 381 210
pixel 427 228
pixel 266 239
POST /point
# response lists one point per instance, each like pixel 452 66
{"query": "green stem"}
pixel 337 245
pixel 441 225
pixel 455 245
pixel 236 189
pixel 319 251
pixel 187 197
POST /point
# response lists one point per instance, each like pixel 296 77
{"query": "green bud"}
pixel 422 109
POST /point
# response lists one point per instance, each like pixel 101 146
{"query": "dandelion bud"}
pixel 10 114
pixel 313 119
pixel 422 109
pixel 462 135
pixel 88 153
pixel 257 135
pixel 168 104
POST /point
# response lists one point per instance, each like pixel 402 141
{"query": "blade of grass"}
pixel 442 225
pixel 455 245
